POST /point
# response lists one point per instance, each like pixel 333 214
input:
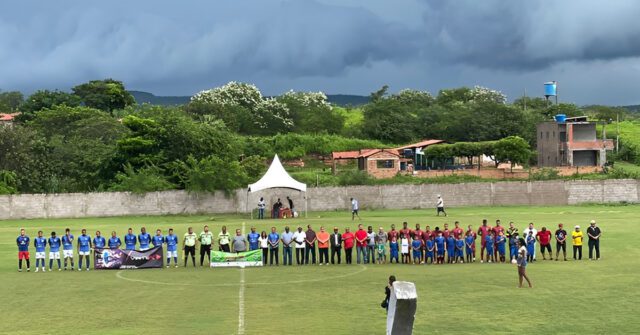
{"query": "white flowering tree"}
pixel 411 97
pixel 271 117
pixel 312 112
pixel 233 93
pixel 484 94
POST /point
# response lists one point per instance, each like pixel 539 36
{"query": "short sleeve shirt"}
pixel 190 239
pixel 239 243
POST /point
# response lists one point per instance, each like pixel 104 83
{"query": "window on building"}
pixel 385 164
pixel 540 135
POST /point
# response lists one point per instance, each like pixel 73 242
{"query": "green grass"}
pixel 569 297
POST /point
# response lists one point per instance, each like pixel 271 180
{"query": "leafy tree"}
pixel 106 95
pixel 10 101
pixel 8 182
pixel 45 99
pixel 235 117
pixel 379 94
pixel 23 152
pixel 606 113
pixel 143 180
pixel 312 113
pixel 232 93
pixel 209 174
pixel 513 149
pixel 390 121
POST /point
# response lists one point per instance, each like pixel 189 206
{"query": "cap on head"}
pixel 577 227
pixel 593 221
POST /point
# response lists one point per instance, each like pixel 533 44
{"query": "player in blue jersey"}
pixel 451 248
pixel 489 241
pixel 440 247
pixel 23 250
pixel 394 251
pixel 253 237
pixel 130 240
pixel 430 251
pixel 458 254
pixel 157 239
pixel 500 244
pixel 531 246
pixel 416 247
pixel 468 241
pixel 172 247
pixel 67 248
pixel 513 246
pixel 114 241
pixel 41 244
pixel 84 249
pixel 99 242
pixel 54 250
pixel 144 239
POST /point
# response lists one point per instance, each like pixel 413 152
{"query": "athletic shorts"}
pixel 172 253
pixel 23 255
pixel 489 250
pixel 355 211
pixel 83 253
pixel 67 253
pixel 40 255
pixel 54 255
pixel 430 254
pixel 440 209
pixel 501 251
pixel 545 247
pixel 440 253
pixel 417 254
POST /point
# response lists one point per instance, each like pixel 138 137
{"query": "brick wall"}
pixel 555 192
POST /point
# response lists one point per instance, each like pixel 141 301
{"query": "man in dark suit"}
pixel 336 245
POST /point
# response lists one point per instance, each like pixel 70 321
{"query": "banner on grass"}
pixel 240 259
pixel 107 259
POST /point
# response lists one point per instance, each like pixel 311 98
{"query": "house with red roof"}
pixel 7 120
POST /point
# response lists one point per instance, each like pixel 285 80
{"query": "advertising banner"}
pixel 108 259
pixel 240 259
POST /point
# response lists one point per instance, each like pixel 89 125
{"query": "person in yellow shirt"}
pixel 576 236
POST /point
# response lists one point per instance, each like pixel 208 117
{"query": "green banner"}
pixel 239 259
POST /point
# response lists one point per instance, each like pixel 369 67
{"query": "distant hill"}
pixel 150 98
pixel 632 108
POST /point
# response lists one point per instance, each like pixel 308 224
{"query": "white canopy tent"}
pixel 277 177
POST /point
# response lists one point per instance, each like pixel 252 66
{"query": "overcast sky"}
pixel 592 48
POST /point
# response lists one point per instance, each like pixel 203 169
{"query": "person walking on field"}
pixel 522 263
pixel 576 236
pixel 561 242
pixel 440 206
pixel 354 209
pixel 594 240
pixel 189 243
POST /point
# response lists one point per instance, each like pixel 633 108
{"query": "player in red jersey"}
pixel 393 234
pixel 405 231
pixel 483 232
pixel 446 231
pixel 457 231
pixel 497 229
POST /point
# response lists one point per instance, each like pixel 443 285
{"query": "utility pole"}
pixel 617 132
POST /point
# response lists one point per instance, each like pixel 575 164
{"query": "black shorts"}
pixel 355 211
pixel 189 250
pixel 545 247
pixel 225 248
pixel 440 209
pixel 562 246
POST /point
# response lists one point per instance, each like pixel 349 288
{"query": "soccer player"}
pixel 483 232
pixel 223 240
pixel 54 250
pixel 440 206
pixel 429 250
pixel 458 254
pixel 440 242
pixel 189 243
pixel 274 246
pixel 205 239
pixel 253 237
pixel 513 246
pixel 416 247
pixel 404 248
pixel 418 234
pixel 393 244
pixel 488 246
pixel 468 241
pixel 23 250
pixel 41 244
pixel 67 248
pixel 451 248
pixel 381 242
pixel 130 240
pixel 157 239
pixel 114 241
pixel 500 245
pixel 172 248
pixel 144 239
pixel 99 242
pixel 496 232
pixel 531 245
pixel 561 242
pixel 473 233
pixel 84 248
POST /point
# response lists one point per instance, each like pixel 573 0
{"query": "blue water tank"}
pixel 550 89
pixel 561 118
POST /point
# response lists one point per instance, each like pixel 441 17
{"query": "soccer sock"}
pixel 88 262
pixel 51 263
pixel 168 260
pixel 20 264
pixel 175 260
pixel 28 265
pixel 79 263
pixel 185 261
pixel 65 263
pixel 193 259
pixel 72 263
pixel 59 264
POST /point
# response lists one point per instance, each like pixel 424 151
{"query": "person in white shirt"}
pixel 263 240
pixel 261 206
pixel 440 206
pixel 299 238
pixel 354 209
pixel 534 232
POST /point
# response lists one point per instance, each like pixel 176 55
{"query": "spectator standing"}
pixel 577 236
pixel 561 242
pixel 276 209
pixel 287 238
pixel 349 239
pixel 522 263
pixel 544 238
pixel 381 242
pixel 264 246
pixel 299 238
pixel 354 209
pixel 371 245
pixel 361 244
pixel 310 245
pixel 291 206
pixel 336 245
pixel 223 240
pixel 206 239
pixel 323 246
pixel 239 242
pixel 594 240
pixel 274 245
pixel 262 205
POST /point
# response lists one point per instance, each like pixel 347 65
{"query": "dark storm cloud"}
pixel 523 35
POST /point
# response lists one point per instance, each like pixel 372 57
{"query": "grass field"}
pixel 568 297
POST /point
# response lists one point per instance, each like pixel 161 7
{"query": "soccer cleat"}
pixel 167 266
pixel 80 269
pixel 19 270
pixel 87 269
pixel 43 270
pixel 60 269
pixel 50 270
pixel 176 266
pixel 36 270
pixel 28 270
pixel 481 261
